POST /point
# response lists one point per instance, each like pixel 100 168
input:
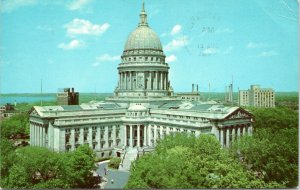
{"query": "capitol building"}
pixel 142 110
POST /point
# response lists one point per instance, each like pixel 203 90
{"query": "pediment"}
pixel 239 113
pixel 33 111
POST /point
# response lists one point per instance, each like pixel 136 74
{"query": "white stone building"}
pixel 257 97
pixel 142 111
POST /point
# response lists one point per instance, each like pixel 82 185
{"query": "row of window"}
pixel 187 117
pixel 145 59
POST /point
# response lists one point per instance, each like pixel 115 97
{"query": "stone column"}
pixel 80 139
pixel 238 131
pixel 149 135
pixel 38 135
pixel 148 81
pixel 150 76
pixel 227 137
pixel 35 135
pixel 156 81
pixel 244 130
pixel 44 136
pixel 72 139
pixel 233 134
pixel 114 136
pixel 126 86
pixel 161 80
pixel 130 82
pixel 250 130
pixel 154 140
pixel 167 81
pixel 138 135
pixel 167 130
pixel 222 136
pixel 30 133
pixel 145 136
pixel 90 137
pixel 130 138
pixel 125 135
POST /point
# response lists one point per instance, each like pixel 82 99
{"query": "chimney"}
pixel 192 87
pixel 197 88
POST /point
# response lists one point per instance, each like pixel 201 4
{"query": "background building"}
pixel 7 110
pixel 257 97
pixel 67 96
pixel 190 96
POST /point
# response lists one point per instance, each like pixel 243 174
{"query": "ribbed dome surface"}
pixel 143 37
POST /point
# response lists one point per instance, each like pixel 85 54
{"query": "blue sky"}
pixel 77 43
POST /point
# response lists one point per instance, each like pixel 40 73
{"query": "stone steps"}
pixel 130 156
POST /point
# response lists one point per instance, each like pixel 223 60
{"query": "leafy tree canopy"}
pixel 36 167
pixel 272 151
pixel 191 163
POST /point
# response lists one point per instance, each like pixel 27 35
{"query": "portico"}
pixel 135 135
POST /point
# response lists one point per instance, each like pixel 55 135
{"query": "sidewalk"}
pixel 120 178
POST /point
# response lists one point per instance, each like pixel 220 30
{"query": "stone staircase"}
pixel 130 156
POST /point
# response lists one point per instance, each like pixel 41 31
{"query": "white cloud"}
pixel 267 53
pixel 256 45
pixel 107 57
pixel 171 58
pixel 153 13
pixel 11 5
pixel 78 4
pixel 85 27
pixel 177 43
pixel 74 44
pixel 176 29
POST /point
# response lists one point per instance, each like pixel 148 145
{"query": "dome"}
pixel 143 37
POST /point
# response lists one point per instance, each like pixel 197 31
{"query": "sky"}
pixel 78 43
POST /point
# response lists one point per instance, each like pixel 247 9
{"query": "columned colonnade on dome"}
pixel 153 80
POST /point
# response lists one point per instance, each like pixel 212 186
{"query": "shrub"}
pixel 114 163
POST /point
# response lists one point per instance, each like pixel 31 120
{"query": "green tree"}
pixel 36 167
pixel 17 124
pixel 202 164
pixel 7 155
pixel 79 166
pixel 272 152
